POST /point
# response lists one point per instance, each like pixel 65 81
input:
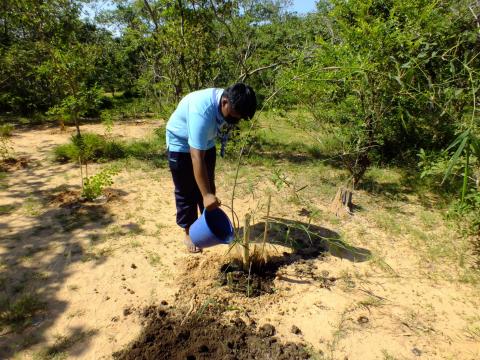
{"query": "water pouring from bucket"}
pixel 212 228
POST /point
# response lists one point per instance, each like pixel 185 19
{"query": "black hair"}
pixel 242 99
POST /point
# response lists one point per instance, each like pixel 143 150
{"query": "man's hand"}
pixel 210 202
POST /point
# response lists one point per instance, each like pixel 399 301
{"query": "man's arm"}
pixel 210 201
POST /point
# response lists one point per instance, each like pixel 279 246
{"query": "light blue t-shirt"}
pixel 195 122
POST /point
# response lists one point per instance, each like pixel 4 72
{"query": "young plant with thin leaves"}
pixel 94 185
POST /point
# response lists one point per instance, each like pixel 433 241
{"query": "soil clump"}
pixel 169 335
pixel 12 164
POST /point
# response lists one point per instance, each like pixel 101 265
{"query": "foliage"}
pixel 107 121
pixel 382 80
pixel 85 101
pixel 187 45
pixel 394 76
pixel 33 34
pixel 88 147
pixel 65 152
pixel 92 147
pixel 5 147
pixel 433 165
pixel 94 185
pixel 6 130
pixel 468 144
pixel 466 213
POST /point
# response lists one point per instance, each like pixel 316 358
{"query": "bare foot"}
pixel 191 246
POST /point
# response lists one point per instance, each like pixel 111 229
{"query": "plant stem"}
pixel 81 170
pixel 246 239
pixel 265 231
pixel 249 290
pixel 465 176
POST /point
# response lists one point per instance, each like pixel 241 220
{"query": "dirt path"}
pixel 90 270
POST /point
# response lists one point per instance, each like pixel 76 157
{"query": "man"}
pixel 191 133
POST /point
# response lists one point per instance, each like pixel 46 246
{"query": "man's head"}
pixel 238 102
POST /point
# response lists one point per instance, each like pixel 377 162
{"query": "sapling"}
pixel 107 121
pixel 93 186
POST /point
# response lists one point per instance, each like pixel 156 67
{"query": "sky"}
pixel 303 6
pixel 300 6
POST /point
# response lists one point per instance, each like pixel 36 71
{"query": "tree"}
pixel 389 75
pixel 29 31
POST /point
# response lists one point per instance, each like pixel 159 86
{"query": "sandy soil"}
pixel 97 266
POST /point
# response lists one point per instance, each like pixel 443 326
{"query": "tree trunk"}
pixel 342 203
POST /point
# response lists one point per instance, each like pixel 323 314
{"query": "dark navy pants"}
pixel 187 194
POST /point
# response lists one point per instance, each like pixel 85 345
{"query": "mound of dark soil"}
pixel 250 285
pixel 65 198
pixel 259 279
pixel 12 164
pixel 203 336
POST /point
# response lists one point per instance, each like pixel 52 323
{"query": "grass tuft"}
pixel 19 313
pixel 58 351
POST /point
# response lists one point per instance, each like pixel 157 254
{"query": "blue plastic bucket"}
pixel 212 228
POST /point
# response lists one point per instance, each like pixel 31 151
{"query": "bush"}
pixel 145 149
pixel 160 134
pixel 105 103
pixel 150 149
pixel 66 152
pixel 94 148
pixel 466 213
pixel 130 93
pixel 6 130
pixel 90 147
pixel 93 185
pixel 113 150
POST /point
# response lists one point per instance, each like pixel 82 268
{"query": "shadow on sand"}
pixel 306 241
pixel 36 261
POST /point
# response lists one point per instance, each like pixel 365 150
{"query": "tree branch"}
pixel 152 14
pixel 247 73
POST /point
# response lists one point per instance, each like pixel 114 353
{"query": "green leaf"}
pixel 398 80
pixel 452 67
pixel 455 157
pixel 475 142
pixel 458 139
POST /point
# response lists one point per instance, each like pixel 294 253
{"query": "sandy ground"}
pixel 96 266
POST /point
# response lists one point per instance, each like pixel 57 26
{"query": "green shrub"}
pixel 149 149
pixel 160 134
pixel 93 185
pixel 466 213
pixel 90 147
pixel 113 150
pixel 6 130
pixel 93 148
pixel 144 149
pixel 66 152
